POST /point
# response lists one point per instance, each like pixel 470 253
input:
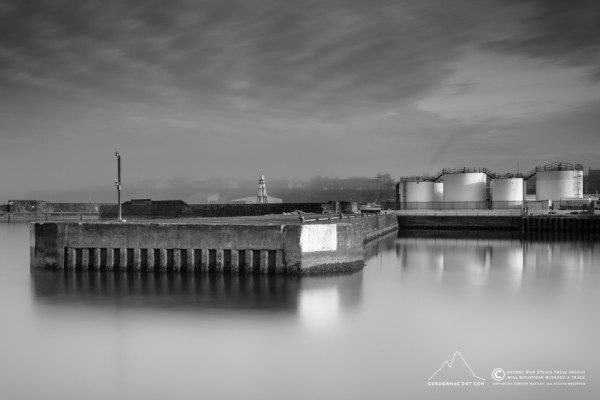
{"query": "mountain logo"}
pixel 457 369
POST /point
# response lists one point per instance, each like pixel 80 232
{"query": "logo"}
pixel 456 372
pixel 498 374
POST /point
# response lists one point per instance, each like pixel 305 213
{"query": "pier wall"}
pixel 262 248
pixel 557 224
pixel 325 249
pixel 459 222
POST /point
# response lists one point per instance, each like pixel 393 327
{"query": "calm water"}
pixel 380 333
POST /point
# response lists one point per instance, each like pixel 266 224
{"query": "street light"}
pixel 118 183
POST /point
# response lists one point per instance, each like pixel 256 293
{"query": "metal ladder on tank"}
pixel 576 184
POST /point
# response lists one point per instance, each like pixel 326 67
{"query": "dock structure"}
pixel 526 224
pixel 262 245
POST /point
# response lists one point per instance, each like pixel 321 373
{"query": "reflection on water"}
pixel 193 291
pixel 320 307
pixel 481 258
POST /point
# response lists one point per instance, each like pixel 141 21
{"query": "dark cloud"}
pixel 324 59
pixel 559 30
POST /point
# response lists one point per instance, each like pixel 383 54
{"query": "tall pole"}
pixel 118 183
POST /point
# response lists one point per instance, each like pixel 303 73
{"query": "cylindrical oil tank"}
pixel 554 185
pixel 438 191
pixel 421 191
pixel 507 189
pixel 467 186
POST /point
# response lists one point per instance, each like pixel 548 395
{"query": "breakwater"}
pixel 262 245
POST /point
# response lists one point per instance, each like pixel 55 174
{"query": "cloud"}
pixel 569 136
pixel 305 59
pixel 288 88
pixel 563 31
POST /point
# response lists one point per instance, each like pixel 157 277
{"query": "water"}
pixel 380 333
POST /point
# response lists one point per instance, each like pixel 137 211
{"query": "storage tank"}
pixel 438 191
pixel 466 186
pixel 507 189
pixel 420 191
pixel 554 185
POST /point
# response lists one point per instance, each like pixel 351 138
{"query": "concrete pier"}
pixel 256 245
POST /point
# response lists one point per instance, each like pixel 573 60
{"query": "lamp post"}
pixel 118 183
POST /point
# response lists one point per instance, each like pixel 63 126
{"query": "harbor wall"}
pixel 556 224
pixel 525 223
pixel 459 222
pixel 294 248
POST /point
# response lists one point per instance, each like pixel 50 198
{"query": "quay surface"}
pixel 281 244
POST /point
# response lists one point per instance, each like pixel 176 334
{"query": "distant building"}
pixel 381 181
pixel 213 198
pixel 253 200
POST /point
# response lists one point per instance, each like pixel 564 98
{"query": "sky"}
pixel 196 89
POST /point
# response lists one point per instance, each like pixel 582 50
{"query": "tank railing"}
pixel 530 174
pixel 458 170
pixel 422 178
pixel 437 176
pixel 555 166
pixel 507 175
pixel 561 166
